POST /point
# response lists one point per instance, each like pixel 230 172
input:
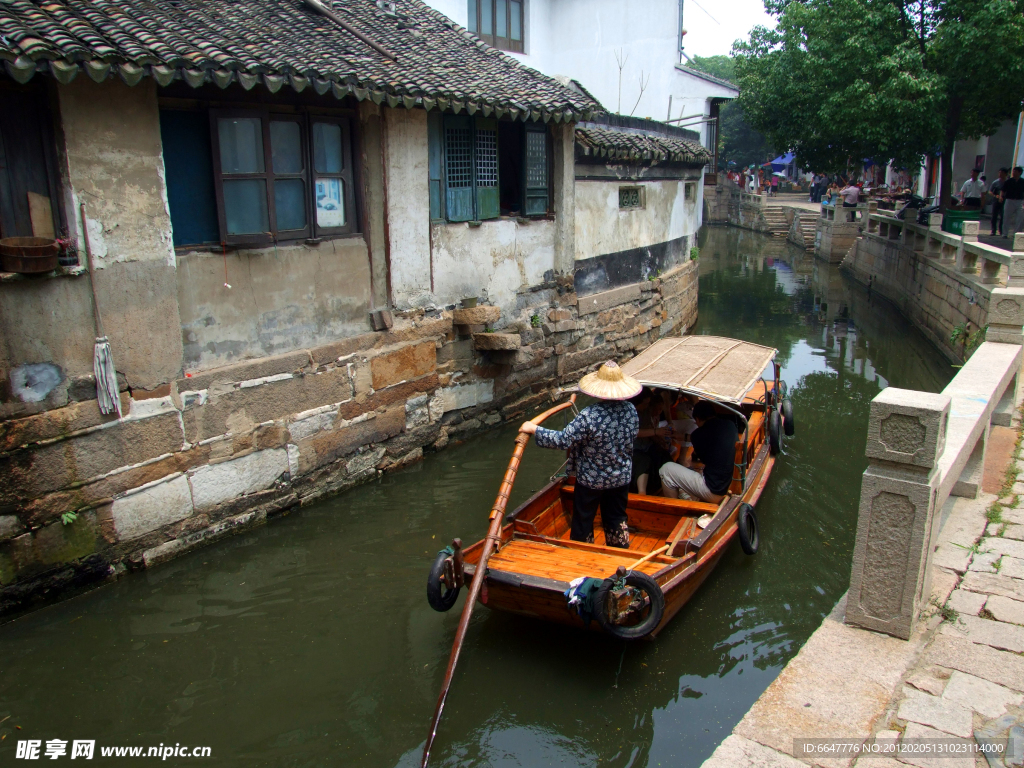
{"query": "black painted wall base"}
pixel 602 273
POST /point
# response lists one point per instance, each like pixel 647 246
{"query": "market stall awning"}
pixel 782 161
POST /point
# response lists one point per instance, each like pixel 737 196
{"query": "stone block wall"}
pixel 934 295
pixel 224 449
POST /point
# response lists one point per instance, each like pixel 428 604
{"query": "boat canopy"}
pixel 711 367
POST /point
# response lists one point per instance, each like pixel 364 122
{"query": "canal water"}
pixel 309 642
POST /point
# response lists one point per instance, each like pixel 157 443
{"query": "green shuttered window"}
pixel 536 170
pixel 487 168
pixel 474 175
pixel 458 156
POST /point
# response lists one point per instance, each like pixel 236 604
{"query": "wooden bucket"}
pixel 29 255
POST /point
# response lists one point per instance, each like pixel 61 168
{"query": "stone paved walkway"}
pixel 960 675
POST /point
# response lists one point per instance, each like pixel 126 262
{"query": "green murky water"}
pixel 309 642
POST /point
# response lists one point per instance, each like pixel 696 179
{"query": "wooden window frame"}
pixel 347 176
pixel 505 43
pixel 308 175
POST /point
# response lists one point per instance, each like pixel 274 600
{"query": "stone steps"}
pixel 809 226
pixel 778 223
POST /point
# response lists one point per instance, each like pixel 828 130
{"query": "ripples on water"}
pixel 309 642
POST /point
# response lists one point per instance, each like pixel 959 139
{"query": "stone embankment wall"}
pixel 226 448
pixel 727 204
pixel 941 282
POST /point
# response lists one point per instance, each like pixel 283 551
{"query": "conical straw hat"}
pixel 610 383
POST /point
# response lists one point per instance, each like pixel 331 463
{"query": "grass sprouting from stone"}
pixel 947 612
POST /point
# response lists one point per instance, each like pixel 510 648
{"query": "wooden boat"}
pixel 674 544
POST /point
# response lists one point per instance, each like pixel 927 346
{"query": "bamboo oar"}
pixel 648 556
pixel 480 574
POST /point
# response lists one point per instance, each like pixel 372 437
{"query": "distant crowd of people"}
pixel 1007 195
pixel 756 180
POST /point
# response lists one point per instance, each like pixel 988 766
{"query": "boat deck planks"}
pixel 551 561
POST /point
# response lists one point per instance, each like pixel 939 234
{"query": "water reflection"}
pixel 309 642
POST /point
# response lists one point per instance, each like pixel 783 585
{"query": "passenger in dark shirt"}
pixel 1013 203
pixel 714 444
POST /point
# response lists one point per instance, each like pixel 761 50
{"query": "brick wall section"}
pixel 935 296
pixel 227 448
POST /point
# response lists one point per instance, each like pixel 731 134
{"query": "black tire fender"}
pixel 746 521
pixel 438 595
pixel 774 432
pixel 639 581
pixel 788 424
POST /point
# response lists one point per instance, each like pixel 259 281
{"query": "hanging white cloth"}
pixel 107 395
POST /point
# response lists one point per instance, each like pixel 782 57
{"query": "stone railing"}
pixel 750 199
pixel 962 252
pixel 837 212
pixel 924 447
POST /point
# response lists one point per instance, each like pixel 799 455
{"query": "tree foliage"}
pixel 737 140
pixel 841 80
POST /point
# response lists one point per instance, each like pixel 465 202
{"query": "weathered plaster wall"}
pixel 408 206
pixel 372 162
pixel 564 203
pixel 492 261
pixel 281 299
pixel 114 163
pixel 602 227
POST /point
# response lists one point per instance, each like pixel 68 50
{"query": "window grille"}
pixel 459 157
pixel 630 197
pixel 486 158
pixel 536 159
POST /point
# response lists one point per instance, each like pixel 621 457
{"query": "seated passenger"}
pixel 683 424
pixel 651 448
pixel 714 444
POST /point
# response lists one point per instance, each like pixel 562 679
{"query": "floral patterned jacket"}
pixel 599 442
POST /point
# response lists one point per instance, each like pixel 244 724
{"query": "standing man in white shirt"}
pixel 972 190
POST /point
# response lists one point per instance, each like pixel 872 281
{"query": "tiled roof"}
pixel 705 76
pixel 282 42
pixel 606 143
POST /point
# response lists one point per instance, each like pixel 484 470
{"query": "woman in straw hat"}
pixel 600 445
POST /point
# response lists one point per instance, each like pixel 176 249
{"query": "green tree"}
pixel 737 140
pixel 841 80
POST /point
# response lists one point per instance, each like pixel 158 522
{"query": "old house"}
pixel 629 56
pixel 290 207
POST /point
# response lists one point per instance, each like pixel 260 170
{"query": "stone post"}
pixel 966 261
pixel 1015 278
pixel 1006 315
pixel 890 578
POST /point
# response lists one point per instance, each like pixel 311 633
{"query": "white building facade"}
pixel 628 55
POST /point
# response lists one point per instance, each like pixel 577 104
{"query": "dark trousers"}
pixel 997 216
pixel 974 203
pixel 612 502
pixel 849 205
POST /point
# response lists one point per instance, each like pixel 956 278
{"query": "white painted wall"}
pixel 602 227
pixel 408 200
pixel 579 39
pixel 492 261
